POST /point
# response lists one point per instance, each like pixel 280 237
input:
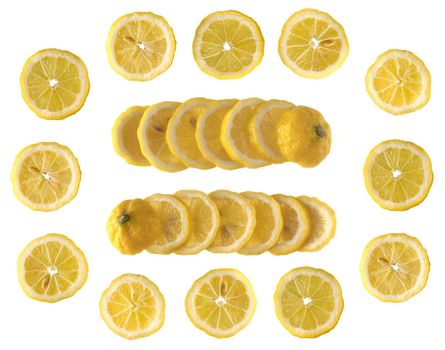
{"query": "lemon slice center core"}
pixel 307 301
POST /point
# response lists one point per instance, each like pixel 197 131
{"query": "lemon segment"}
pixel 204 217
pixel 132 306
pixel 174 219
pixel 237 221
pixel 228 45
pixel 221 303
pixel 235 134
pixel 45 176
pixel 264 125
pixel 399 82
pixel 125 140
pixel 398 174
pixel 52 268
pixel 140 46
pixel 152 134
pixel 313 44
pixel 296 225
pixel 54 83
pixel 308 302
pixel 323 223
pixel 208 134
pixel 394 267
pixel 181 132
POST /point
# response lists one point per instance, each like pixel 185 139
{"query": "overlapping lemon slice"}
pixel 52 268
pixel 54 83
pixel 140 46
pixel 394 267
pixel 308 302
pixel 398 174
pixel 313 44
pixel 228 45
pixel 45 176
pixel 132 306
pixel 221 303
pixel 399 82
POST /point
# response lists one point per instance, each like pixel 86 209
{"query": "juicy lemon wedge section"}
pixel 204 217
pixel 54 83
pixel 399 82
pixel 221 303
pixel 132 306
pixel 398 174
pixel 228 45
pixel 140 46
pixel 313 44
pixel 52 268
pixel 152 134
pixel 45 176
pixel 237 221
pixel 394 267
pixel 308 302
pixel 124 134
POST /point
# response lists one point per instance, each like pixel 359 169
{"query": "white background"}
pixel 81 27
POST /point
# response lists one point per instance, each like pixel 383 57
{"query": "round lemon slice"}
pixel 208 134
pixel 237 221
pixel 394 267
pixel 228 45
pixel 125 141
pixel 264 125
pixel 54 83
pixel 45 176
pixel 398 174
pixel 235 134
pixel 308 302
pixel 140 46
pixel 52 268
pixel 399 82
pixel 174 221
pixel 296 225
pixel 221 303
pixel 323 223
pixel 152 133
pixel 204 217
pixel 181 132
pixel 269 224
pixel 132 306
pixel 313 44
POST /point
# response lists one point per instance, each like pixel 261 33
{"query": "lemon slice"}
pixel 208 134
pixel 204 216
pixel 132 306
pixel 237 221
pixel 228 45
pixel 398 174
pixel 125 141
pixel 45 176
pixel 221 303
pixel 181 133
pixel 394 267
pixel 296 225
pixel 308 302
pixel 313 44
pixel 269 223
pixel 235 134
pixel 54 83
pixel 264 125
pixel 174 223
pixel 323 223
pixel 52 268
pixel 140 46
pixel 399 82
pixel 152 133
